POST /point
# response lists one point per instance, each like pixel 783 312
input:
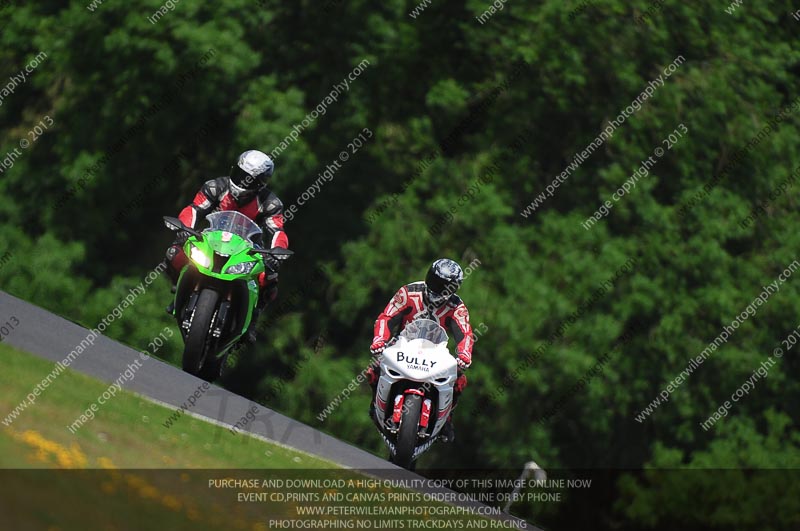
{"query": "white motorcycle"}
pixel 415 391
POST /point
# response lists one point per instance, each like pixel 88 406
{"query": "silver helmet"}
pixel 250 173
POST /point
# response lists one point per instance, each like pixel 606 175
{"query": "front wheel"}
pixel 407 436
pixel 194 350
pixel 212 367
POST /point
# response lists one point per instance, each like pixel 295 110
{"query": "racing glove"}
pixel 181 236
pixel 377 346
pixel 463 361
pixel 271 263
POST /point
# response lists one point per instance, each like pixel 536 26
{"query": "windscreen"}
pixel 233 222
pixel 424 329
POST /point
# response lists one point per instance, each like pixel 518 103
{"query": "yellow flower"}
pixel 71 457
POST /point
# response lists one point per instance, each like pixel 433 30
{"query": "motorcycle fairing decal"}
pixel 389 443
pixel 421 449
pixel 415 363
pixel 381 403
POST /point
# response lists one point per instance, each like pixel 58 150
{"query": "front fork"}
pixel 188 312
pixel 397 412
pixel 225 307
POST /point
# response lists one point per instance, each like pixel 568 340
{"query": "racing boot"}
pixel 448 431
pixel 372 379
pixel 251 336
pixel 171 307
pixel 268 294
pixel 172 273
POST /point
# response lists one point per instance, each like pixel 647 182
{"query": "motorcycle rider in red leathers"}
pixel 244 190
pixel 434 299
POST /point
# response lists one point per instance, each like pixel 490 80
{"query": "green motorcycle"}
pixel 217 290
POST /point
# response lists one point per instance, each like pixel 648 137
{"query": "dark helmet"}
pixel 250 173
pixel 443 279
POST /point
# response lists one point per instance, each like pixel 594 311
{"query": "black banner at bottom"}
pixel 123 499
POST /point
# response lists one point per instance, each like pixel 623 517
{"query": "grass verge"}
pixel 124 471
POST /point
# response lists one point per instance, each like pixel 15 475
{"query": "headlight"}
pixel 241 269
pixel 200 258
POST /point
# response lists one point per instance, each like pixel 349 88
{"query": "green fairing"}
pixel 238 251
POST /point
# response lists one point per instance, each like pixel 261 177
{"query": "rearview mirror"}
pixel 278 252
pixel 281 253
pixel 173 223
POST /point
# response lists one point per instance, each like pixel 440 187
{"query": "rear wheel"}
pixel 196 345
pixel 407 436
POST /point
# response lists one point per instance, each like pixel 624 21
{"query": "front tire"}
pixel 407 436
pixel 212 368
pixel 194 350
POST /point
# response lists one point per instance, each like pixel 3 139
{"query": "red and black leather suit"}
pixel 409 304
pixel 264 208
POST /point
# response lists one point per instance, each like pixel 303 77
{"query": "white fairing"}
pixel 419 356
